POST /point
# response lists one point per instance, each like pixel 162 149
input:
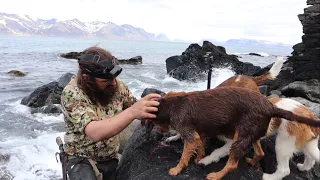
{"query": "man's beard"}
pixel 96 96
pixel 105 97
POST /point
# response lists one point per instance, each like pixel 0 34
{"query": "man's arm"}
pixel 106 128
pixel 109 127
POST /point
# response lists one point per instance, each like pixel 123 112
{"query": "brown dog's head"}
pixel 162 121
pixel 168 103
pixel 148 123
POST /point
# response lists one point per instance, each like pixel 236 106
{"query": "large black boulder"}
pixel 194 63
pixel 46 98
pixel 145 159
pixel 148 159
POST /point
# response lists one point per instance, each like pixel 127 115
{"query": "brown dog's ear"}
pixel 148 124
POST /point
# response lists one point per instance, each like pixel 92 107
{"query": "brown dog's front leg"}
pixel 188 150
pixel 201 150
pixel 258 154
pixel 231 165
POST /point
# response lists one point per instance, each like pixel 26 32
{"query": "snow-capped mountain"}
pixel 13 24
pixel 24 25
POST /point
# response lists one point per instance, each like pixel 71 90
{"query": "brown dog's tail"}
pixel 273 72
pixel 288 115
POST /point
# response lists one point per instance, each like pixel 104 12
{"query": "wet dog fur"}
pixel 229 111
pixel 243 81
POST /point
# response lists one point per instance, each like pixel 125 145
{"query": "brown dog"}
pixel 242 81
pixel 252 83
pixel 227 111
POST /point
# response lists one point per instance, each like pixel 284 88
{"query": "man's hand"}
pixel 106 128
pixel 144 108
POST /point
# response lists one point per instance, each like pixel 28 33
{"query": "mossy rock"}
pixel 126 134
pixel 16 73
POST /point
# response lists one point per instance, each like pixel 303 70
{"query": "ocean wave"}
pixel 264 54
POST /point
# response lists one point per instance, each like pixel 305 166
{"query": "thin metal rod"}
pixel 209 77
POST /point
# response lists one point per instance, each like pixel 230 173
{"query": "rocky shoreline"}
pixel 299 80
pixel 142 159
pixel 148 159
pixel 133 61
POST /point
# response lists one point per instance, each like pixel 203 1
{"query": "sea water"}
pixel 27 141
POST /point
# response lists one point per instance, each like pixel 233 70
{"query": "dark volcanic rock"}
pixel 304 64
pixel 195 62
pixel 16 73
pixel 145 160
pixel 48 94
pixel 254 54
pixel 133 61
pixel 39 97
pixel 70 55
pixel 308 89
pixel 299 48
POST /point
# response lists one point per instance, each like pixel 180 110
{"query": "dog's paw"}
pixel 274 176
pixel 204 161
pixel 197 160
pixel 251 161
pixel 268 177
pixel 169 139
pixel 303 167
pixel 213 176
pixel 175 171
pixel 172 138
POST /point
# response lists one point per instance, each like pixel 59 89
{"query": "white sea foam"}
pixel 32 158
pixel 263 54
pixel 171 84
pixel 17 108
pixel 48 119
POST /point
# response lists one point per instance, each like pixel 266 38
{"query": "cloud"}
pixel 193 20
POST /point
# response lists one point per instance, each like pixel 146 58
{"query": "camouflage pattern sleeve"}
pixel 78 111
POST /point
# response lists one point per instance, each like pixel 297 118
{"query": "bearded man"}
pixel 97 106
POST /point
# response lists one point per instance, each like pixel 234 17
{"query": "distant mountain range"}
pixel 243 45
pixel 250 42
pixel 24 25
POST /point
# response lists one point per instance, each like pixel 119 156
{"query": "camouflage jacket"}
pixel 79 111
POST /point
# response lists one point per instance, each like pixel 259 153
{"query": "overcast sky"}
pixel 273 20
